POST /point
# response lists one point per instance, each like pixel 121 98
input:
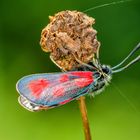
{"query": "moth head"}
pixel 106 69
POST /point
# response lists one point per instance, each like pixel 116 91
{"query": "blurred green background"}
pixel 111 116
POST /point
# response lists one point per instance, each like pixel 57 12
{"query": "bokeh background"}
pixel 113 115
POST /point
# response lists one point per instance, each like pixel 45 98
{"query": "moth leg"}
pixel 63 70
pixel 96 60
pixel 82 63
pixel 98 52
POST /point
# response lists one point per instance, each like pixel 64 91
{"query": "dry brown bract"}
pixel 68 33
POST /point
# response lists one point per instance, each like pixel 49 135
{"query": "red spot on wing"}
pixel 83 82
pixel 66 101
pixel 86 74
pixel 58 91
pixel 84 78
pixel 64 78
pixel 37 86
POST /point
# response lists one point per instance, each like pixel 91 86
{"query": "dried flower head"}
pixel 70 34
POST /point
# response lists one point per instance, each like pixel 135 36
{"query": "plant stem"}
pixel 83 110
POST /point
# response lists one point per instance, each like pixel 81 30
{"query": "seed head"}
pixel 70 34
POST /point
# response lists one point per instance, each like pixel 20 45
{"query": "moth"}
pixel 48 90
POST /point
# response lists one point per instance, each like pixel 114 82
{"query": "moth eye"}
pixel 105 69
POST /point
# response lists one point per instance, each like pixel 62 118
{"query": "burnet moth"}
pixel 49 90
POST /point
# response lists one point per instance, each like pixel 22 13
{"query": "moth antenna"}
pixel 130 54
pixel 129 64
pixel 106 4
